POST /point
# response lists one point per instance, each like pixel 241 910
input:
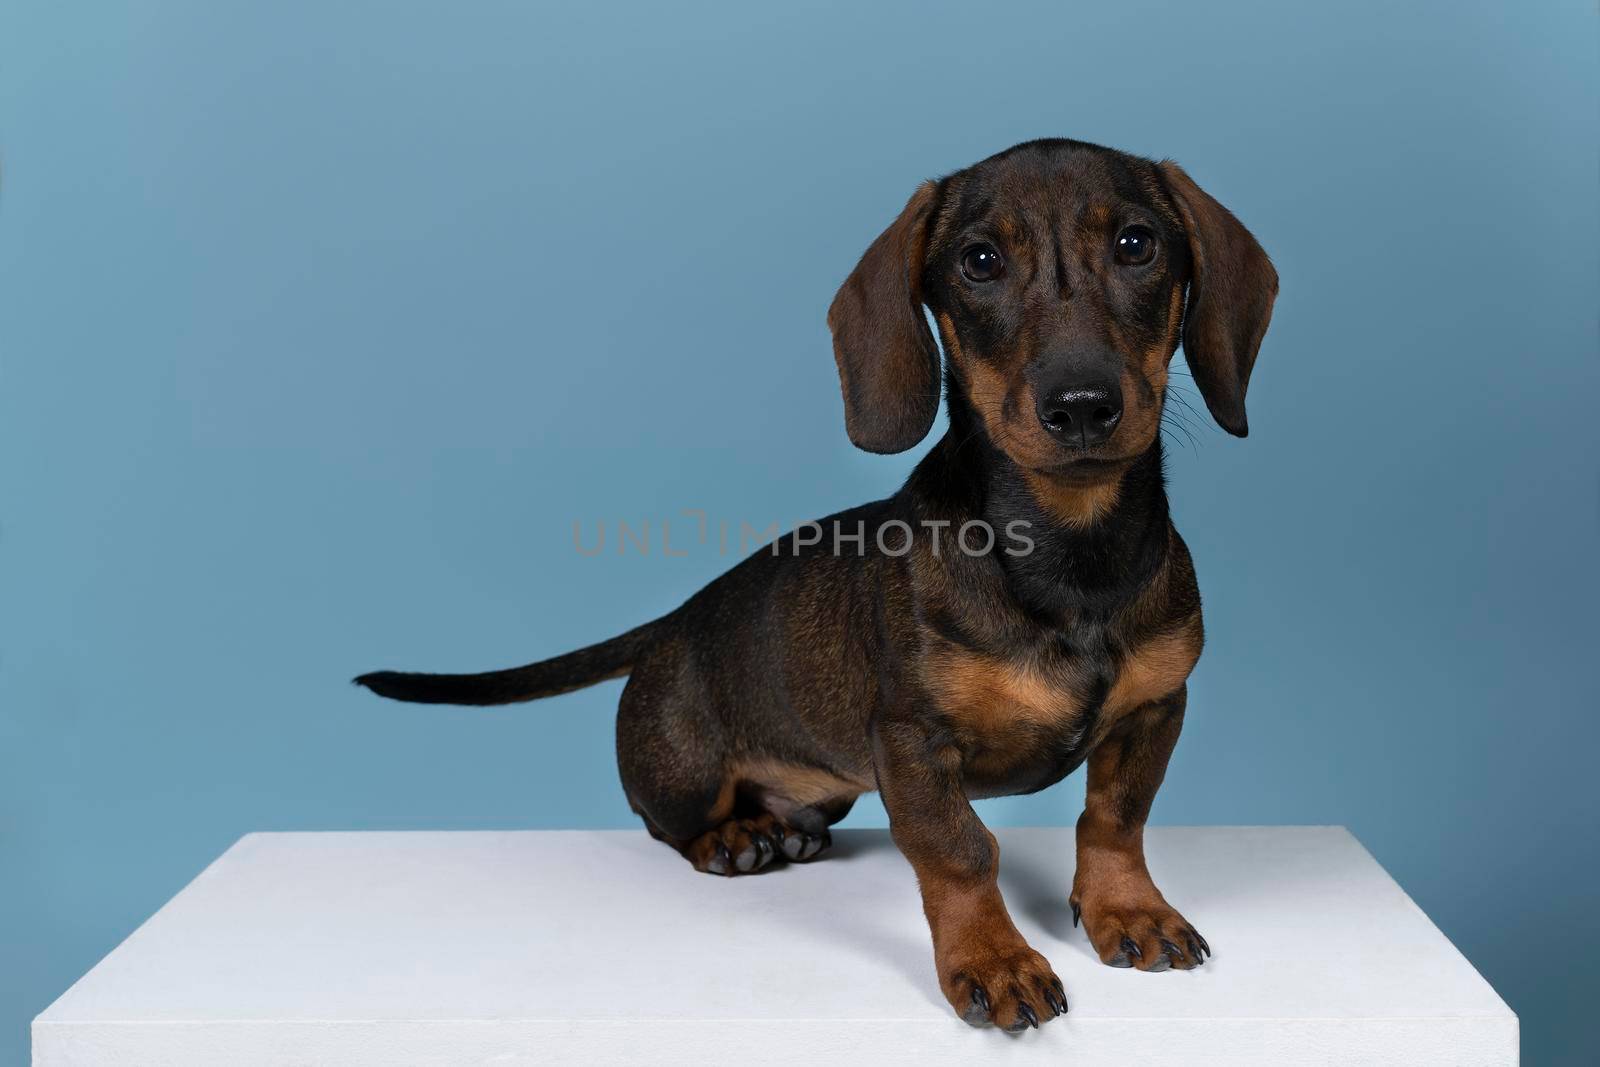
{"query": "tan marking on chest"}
pixel 1077 506
pixel 1154 669
pixel 987 694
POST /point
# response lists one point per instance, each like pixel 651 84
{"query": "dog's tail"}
pixel 547 678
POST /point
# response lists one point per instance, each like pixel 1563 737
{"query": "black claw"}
pixel 1077 913
pixel 1132 948
pixel 1194 950
pixel 1061 992
pixel 1055 1004
pixel 765 849
pixel 1203 946
pixel 1173 951
pixel 724 858
pixel 1025 1010
pixel 980 997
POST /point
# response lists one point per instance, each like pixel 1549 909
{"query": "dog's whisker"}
pixel 1172 420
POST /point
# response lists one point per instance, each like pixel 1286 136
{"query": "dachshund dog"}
pixel 1021 606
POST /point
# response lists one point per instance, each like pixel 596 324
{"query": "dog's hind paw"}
pixel 745 846
pixel 799 846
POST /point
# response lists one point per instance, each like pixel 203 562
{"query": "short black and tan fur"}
pixel 1061 276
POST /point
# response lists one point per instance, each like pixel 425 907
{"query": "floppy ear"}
pixel 888 361
pixel 1231 289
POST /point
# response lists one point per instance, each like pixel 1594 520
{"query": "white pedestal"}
pixel 605 947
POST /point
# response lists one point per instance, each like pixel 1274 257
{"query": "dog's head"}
pixel 1060 275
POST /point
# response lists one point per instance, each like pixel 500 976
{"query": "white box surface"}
pixel 606 947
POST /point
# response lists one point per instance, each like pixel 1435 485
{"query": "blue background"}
pixel 321 324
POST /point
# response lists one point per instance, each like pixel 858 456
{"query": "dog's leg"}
pixel 986 970
pixel 1128 921
pixel 679 779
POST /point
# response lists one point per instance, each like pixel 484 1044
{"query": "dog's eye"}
pixel 982 263
pixel 1136 246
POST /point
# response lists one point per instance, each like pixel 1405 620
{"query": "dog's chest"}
pixel 1028 719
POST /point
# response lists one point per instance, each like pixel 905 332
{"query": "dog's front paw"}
pixel 1012 987
pixel 1145 933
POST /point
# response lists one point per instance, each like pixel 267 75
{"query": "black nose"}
pixel 1082 414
